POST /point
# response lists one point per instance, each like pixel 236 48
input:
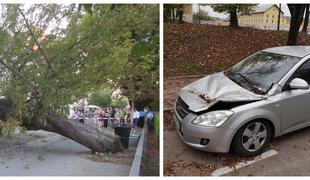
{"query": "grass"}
pixel 156 124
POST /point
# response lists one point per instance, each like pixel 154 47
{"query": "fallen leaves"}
pixel 205 49
pixel 124 157
pixel 181 168
pixel 169 123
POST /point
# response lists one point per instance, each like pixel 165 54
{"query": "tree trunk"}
pixel 233 18
pixel 306 21
pixel 279 17
pixel 98 141
pixel 297 12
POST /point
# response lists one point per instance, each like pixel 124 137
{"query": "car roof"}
pixel 297 51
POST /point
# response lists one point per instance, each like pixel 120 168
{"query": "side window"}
pixel 303 72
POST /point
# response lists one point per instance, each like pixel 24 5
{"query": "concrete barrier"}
pixel 136 164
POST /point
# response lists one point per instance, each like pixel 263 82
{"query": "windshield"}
pixel 259 72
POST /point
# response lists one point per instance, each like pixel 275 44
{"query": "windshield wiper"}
pixel 243 77
pixel 253 88
pixel 248 82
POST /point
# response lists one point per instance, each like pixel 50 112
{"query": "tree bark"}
pixel 233 18
pixel 279 17
pixel 306 21
pixel 297 12
pixel 91 137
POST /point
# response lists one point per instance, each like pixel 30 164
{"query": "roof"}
pixel 298 51
pixel 264 7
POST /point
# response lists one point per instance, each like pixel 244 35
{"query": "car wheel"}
pixel 252 138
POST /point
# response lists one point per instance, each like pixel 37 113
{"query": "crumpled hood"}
pixel 204 93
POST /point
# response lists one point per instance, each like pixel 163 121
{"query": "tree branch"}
pixel 14 71
pixel 48 62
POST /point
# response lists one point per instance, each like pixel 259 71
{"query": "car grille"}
pixel 182 108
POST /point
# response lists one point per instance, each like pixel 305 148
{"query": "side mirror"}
pixel 298 83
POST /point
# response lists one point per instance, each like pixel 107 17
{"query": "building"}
pixel 187 13
pixel 265 17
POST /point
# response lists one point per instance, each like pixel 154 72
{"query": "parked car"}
pixel 264 96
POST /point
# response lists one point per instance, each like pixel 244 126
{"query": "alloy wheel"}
pixel 254 136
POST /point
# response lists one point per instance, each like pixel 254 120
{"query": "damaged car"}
pixel 242 108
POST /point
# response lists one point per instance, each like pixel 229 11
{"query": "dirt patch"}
pixel 169 123
pixel 205 49
pixel 124 157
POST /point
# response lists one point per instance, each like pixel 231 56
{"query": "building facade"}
pixel 265 17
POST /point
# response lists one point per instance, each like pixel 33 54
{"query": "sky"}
pixel 222 15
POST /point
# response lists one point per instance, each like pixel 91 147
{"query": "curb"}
pixel 136 164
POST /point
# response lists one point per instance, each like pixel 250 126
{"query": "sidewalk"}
pixel 172 87
pixel 49 154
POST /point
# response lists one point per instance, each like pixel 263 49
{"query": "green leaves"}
pixel 102 98
pixel 79 52
pixel 227 8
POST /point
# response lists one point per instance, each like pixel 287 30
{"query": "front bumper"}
pixel 219 138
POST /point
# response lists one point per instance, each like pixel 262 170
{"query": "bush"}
pixel 120 103
pixel 101 98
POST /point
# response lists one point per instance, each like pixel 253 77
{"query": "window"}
pixel 266 20
pixel 302 72
pixel 272 16
pixel 271 21
pixel 267 15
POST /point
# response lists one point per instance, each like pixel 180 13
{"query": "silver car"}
pixel 264 96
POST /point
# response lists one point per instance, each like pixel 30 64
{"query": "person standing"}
pixel 122 116
pixel 117 116
pixel 71 114
pixel 136 116
pixel 141 119
pixel 149 120
pixel 112 116
pixel 129 116
pixel 100 119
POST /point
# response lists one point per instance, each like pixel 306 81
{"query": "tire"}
pixel 246 145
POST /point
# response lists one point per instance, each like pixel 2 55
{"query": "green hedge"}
pixel 157 124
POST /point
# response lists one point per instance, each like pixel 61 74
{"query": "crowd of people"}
pixel 110 116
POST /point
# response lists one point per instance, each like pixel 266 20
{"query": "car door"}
pixel 295 103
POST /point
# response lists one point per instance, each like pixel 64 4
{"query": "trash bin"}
pixel 124 132
pixel 105 123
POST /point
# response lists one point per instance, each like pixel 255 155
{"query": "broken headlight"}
pixel 213 118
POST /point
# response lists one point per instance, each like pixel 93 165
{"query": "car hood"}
pixel 206 92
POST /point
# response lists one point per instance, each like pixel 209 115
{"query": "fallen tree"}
pixel 41 72
pixel 98 141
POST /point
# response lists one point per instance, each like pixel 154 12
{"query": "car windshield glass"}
pixel 260 71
